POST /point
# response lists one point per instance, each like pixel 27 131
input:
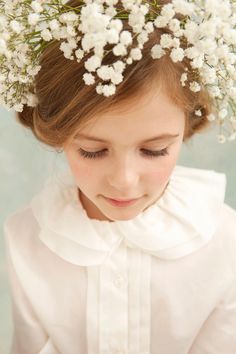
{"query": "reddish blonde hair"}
pixel 66 103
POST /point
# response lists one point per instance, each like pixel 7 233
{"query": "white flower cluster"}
pixel 208 28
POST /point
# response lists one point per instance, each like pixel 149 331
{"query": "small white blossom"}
pixel 197 62
pixel 168 12
pixel 212 60
pixel 54 25
pixel 46 35
pixel 79 53
pixel 117 25
pixel 232 93
pixel 108 90
pixel 214 91
pixel 184 78
pixel 3 46
pixel 157 51
pixel 136 54
pixel 166 41
pixel 177 54
pixel 88 79
pixel 116 78
pixel 211 117
pixel 125 38
pixel 32 99
pixel 36 6
pixel 149 27
pixel 112 36
pixel 129 61
pixel 33 19
pixel 119 66
pixel 18 107
pixel 105 72
pixel 92 63
pixel 142 37
pixel 210 76
pixel 221 138
pixel 161 22
pixel 183 7
pixel 16 26
pixel 198 113
pixel 232 137
pixel 119 50
pixel 223 113
pixel 176 43
pixel 195 87
pixel 174 25
pixel 99 89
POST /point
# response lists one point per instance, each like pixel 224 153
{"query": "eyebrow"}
pixel 162 137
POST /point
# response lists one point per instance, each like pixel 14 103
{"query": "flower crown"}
pixel 208 27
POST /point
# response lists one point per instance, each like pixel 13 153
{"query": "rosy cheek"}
pixel 82 169
pixel 161 174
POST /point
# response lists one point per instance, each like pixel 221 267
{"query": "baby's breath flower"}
pixel 211 117
pixel 223 114
pixel 136 54
pixel 36 6
pixel 88 79
pixel 157 51
pixel 125 38
pixel 207 30
pixel 177 54
pixel 221 138
pixel 93 63
pixel 198 113
pixel 195 87
pixel 184 78
pixel 232 137
pixel 166 41
pixel 33 19
pixel 46 35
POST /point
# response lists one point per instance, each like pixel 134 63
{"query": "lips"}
pixel 121 202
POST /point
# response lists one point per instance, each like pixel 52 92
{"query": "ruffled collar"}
pixel 183 220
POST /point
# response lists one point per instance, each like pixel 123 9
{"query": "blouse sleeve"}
pixel 218 334
pixel 29 336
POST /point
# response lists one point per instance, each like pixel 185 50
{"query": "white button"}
pixel 119 281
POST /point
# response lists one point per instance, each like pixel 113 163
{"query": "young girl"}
pixel 126 251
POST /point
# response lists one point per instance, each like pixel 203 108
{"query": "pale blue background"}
pixel 26 163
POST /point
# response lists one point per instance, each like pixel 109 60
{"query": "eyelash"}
pixel 99 154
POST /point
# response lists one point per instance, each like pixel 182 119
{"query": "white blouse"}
pixel 161 283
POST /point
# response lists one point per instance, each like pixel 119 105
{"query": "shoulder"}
pixel 227 222
pixel 226 233
pixel 21 218
pixel 20 229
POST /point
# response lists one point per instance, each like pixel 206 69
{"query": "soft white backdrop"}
pixel 25 164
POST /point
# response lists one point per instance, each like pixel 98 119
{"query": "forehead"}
pixel 154 113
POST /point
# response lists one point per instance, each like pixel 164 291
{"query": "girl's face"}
pixel 127 155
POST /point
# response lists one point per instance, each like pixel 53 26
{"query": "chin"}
pixel 121 216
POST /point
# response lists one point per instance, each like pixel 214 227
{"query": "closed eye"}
pixel 102 153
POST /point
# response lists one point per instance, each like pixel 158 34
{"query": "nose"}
pixel 123 175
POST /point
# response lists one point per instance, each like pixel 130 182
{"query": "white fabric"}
pixel 161 283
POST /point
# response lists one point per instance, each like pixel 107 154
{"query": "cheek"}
pixel 82 170
pixel 161 172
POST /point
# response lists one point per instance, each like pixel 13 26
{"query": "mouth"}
pixel 122 202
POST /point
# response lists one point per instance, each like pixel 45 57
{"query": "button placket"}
pixel 113 329
pixel 119 280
